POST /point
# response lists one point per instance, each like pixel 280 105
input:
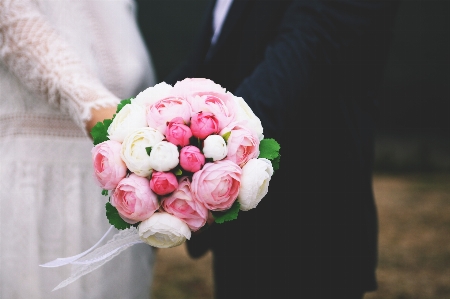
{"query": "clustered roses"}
pixel 174 153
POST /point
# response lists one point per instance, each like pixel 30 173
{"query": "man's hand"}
pixel 209 221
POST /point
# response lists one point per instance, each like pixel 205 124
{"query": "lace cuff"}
pixel 32 50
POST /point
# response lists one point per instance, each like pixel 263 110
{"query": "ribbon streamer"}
pixel 88 261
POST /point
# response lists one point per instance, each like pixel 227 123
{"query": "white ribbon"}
pixel 88 261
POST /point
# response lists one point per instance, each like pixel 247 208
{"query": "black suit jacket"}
pixel 310 71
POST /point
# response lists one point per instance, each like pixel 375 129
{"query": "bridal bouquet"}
pixel 174 155
pixel 172 160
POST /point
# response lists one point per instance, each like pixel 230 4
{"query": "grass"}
pixel 414 245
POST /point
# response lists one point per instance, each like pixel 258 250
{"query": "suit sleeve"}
pixel 312 36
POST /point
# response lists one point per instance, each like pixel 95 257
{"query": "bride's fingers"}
pixel 98 115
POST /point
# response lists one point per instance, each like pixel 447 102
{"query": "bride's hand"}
pixel 98 115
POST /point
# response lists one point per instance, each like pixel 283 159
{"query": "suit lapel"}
pixel 233 16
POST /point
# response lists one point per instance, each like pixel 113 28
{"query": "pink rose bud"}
pixel 181 204
pixel 109 168
pixel 204 124
pixel 177 132
pixel 191 159
pixel 163 183
pixel 134 200
pixel 217 185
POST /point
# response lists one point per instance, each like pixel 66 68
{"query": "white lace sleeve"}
pixel 32 49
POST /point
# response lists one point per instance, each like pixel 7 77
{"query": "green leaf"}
pixel 99 132
pixel 228 215
pixel 276 163
pixel 148 150
pixel 114 218
pixel 122 104
pixel 269 149
pixel 105 192
pixel 177 171
pixel 226 136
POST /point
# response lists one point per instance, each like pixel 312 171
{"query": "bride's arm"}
pixel 33 51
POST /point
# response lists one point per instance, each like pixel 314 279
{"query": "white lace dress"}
pixel 58 59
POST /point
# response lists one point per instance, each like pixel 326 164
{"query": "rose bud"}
pixel 163 183
pixel 204 124
pixel 191 159
pixel 215 147
pixel 164 156
pixel 177 132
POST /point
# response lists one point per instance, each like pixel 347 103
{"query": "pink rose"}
pixel 204 124
pixel 163 183
pixel 191 159
pixel 193 86
pixel 177 132
pixel 109 168
pixel 163 111
pixel 181 204
pixel 217 184
pixel 207 96
pixel 242 144
pixel 134 200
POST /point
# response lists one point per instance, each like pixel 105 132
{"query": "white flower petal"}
pixel 163 230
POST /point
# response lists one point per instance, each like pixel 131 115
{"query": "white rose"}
pixel 153 94
pixel 255 179
pixel 129 118
pixel 163 230
pixel 215 147
pixel 164 156
pixel 134 152
pixel 244 112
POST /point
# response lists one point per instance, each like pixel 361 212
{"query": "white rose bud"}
pixel 129 118
pixel 255 178
pixel 245 113
pixel 164 156
pixel 134 152
pixel 215 147
pixel 153 94
pixel 163 230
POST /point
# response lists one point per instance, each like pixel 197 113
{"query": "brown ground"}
pixel 414 245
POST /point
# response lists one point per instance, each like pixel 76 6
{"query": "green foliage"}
pixel 270 149
pixel 148 150
pixel 99 132
pixel 226 136
pixel 228 215
pixel 122 104
pixel 105 192
pixel 276 163
pixel 114 218
pixel 178 171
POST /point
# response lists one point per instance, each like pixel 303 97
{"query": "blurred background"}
pixel 412 164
